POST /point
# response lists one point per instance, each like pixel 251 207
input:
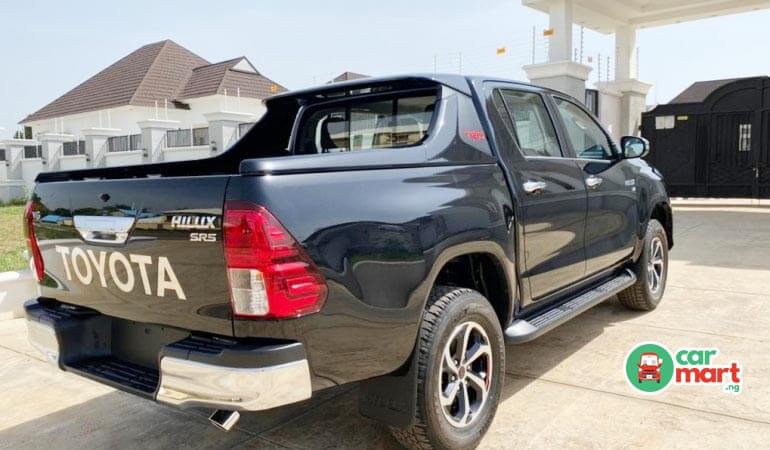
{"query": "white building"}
pixel 159 103
pixel 621 101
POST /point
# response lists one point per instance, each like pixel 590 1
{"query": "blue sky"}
pixel 49 47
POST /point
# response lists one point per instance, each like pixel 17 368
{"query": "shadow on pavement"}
pixel 329 420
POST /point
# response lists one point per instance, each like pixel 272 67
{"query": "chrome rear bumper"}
pixel 197 371
pixel 186 383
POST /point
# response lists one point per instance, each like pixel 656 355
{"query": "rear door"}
pixel 550 192
pixel 613 218
pixel 147 250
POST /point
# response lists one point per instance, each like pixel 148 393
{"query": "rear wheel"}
pixel 460 370
pixel 651 271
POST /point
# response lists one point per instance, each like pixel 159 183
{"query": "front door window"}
pixel 587 138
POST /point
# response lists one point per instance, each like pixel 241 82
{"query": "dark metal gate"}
pixel 763 161
pixel 718 146
pixel 732 155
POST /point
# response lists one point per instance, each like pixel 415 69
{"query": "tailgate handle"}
pixel 104 229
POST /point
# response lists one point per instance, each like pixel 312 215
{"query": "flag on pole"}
pixel 500 51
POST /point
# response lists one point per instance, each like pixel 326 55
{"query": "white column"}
pixel 52 144
pixel 632 92
pixel 560 72
pixel 96 144
pixel 560 45
pixel 14 153
pixel 626 53
pixel 223 128
pixel 154 136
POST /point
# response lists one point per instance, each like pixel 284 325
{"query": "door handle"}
pixel 104 229
pixel 593 182
pixel 535 187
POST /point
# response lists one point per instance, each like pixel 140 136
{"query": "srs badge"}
pixel 88 265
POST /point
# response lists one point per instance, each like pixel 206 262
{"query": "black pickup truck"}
pixel 396 232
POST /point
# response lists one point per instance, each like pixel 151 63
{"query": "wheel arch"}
pixel 390 399
pixel 662 213
pixel 481 266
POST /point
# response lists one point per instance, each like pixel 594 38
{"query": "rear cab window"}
pixel 378 122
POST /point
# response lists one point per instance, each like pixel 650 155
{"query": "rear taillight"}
pixel 270 274
pixel 34 249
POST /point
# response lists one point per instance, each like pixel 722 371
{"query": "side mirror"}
pixel 634 147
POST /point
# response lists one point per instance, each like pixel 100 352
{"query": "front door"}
pixel 613 217
pixel 549 191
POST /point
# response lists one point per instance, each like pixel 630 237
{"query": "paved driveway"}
pixel 565 390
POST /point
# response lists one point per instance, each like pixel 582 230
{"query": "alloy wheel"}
pixel 656 266
pixel 466 374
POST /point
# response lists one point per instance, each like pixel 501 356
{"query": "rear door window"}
pixel 367 124
pixel 532 126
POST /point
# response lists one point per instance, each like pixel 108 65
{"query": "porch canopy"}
pixel 623 18
pixel 605 16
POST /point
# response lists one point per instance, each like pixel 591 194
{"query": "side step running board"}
pixel 526 330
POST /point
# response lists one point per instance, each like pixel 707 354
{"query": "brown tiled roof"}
pixel 220 77
pixel 151 73
pixel 347 76
pixel 156 72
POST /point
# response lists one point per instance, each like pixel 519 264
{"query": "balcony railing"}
pixel 244 128
pixel 124 143
pixel 187 138
pixel 33 151
pixel 74 148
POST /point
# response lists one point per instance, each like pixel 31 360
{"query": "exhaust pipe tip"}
pixel 224 420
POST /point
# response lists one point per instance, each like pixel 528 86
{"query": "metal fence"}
pixel 244 128
pixel 74 148
pixel 187 138
pixel 124 143
pixel 33 151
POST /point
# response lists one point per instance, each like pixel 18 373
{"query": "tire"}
pixel 451 311
pixel 646 293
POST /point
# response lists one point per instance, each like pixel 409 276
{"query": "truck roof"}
pixel 460 83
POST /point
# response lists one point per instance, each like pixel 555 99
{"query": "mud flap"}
pixel 391 399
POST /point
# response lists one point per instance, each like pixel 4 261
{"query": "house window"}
pixel 2 154
pixel 74 148
pixel 665 122
pixel 744 137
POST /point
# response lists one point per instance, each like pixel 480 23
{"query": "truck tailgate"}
pixel 147 250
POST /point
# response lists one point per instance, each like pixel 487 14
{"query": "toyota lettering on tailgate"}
pixel 88 265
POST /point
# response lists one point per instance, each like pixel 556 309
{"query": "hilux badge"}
pixel 193 222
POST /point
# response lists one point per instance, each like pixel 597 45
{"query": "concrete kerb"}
pixel 15 289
